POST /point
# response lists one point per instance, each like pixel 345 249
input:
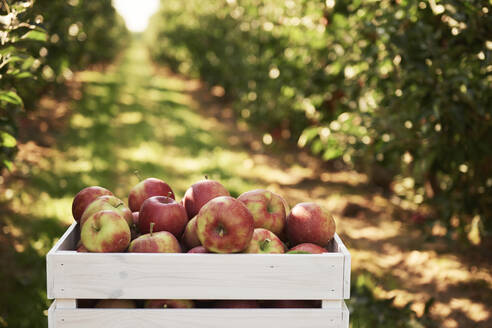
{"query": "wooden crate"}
pixel 72 276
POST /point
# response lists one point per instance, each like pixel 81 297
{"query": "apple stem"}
pixel 120 204
pixel 151 228
pixel 206 177
pixel 137 174
pixel 169 194
pixel 264 244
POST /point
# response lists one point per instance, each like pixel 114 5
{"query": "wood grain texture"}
pixel 198 318
pixel 198 276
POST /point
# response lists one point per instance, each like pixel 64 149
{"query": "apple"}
pixel 155 242
pixel 169 304
pixel 307 248
pixel 198 250
pixel 135 218
pixel 265 242
pixel 146 189
pixel 134 226
pixel 286 206
pixel 268 209
pixel 200 193
pixel 225 225
pixel 190 238
pixel 105 231
pixel 237 304
pixel 84 198
pixel 310 223
pixel 165 212
pixel 82 249
pixel 292 304
pixel 116 304
pixel 107 202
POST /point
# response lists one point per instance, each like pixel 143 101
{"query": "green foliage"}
pixel 80 33
pixel 15 33
pixel 398 84
pixel 42 43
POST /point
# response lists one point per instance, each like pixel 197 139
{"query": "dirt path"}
pixel 136 117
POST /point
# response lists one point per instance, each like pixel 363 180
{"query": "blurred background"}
pixel 378 110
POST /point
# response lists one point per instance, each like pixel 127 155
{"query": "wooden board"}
pixel 199 318
pixel 196 276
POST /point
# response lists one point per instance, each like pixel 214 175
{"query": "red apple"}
pixel 190 238
pixel 165 212
pixel 198 250
pixel 82 249
pixel 200 193
pixel 146 189
pixel 116 304
pixel 292 304
pixel 105 231
pixel 307 248
pixel 265 242
pixel 135 218
pixel 155 242
pixel 134 226
pixel 107 202
pixel 310 223
pixel 237 304
pixel 169 304
pixel 84 198
pixel 225 225
pixel 268 209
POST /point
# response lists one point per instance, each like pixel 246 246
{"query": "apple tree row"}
pixel 42 43
pixel 398 88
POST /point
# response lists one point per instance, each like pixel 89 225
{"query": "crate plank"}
pixel 66 242
pixel 345 316
pixel 346 266
pixel 197 276
pixel 193 318
pixel 51 315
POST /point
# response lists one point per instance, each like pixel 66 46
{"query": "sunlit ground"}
pixel 135 117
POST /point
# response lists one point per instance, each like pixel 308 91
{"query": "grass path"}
pixel 136 117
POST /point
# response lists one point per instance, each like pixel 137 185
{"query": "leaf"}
pixel 8 164
pixel 35 35
pixel 332 153
pixel 8 140
pixel 10 97
pixel 23 75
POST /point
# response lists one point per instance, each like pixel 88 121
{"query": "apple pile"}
pixel 206 220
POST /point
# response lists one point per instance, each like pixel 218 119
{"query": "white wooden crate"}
pixel 72 275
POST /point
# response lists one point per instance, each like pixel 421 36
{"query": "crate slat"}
pixel 203 318
pixel 197 276
pixel 346 265
pixel 66 242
